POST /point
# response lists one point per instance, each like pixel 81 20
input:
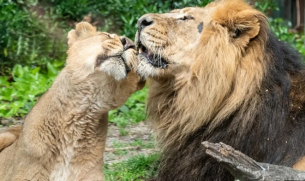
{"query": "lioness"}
pixel 63 137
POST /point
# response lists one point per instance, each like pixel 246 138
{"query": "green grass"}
pixel 136 168
pixel 136 143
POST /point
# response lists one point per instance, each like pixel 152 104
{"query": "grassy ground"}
pixel 130 152
pixel 136 168
pixel 131 156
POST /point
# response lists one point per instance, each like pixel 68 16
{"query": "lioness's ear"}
pixel 82 30
pixel 71 37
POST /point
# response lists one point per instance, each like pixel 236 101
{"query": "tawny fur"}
pixel 63 137
pixel 9 135
pixel 232 82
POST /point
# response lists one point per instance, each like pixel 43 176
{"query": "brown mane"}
pixel 250 96
pixel 221 85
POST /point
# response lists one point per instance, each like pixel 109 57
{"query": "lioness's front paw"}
pixel 115 67
pixel 130 59
pixel 119 57
pixel 112 46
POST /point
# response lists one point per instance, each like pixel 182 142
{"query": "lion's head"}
pixel 186 38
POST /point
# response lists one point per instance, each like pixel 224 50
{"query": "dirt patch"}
pixel 139 140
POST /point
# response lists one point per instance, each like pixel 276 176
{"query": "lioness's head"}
pixel 100 67
pixel 181 40
pixel 91 51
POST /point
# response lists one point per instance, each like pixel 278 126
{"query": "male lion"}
pixel 63 136
pixel 218 74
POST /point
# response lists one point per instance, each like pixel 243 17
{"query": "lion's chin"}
pixel 147 70
pixel 155 60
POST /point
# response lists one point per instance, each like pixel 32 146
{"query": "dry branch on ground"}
pixel 245 168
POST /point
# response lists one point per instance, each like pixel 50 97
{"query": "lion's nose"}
pixel 145 21
pixel 127 43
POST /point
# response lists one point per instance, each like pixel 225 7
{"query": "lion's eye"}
pixel 237 33
pixel 187 17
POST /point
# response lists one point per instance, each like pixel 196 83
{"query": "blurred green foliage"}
pixel 27 38
pixel 266 5
pixel 282 29
pixel 18 95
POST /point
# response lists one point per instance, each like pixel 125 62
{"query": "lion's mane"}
pixel 253 100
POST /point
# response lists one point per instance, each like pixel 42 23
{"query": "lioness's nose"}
pixel 127 43
pixel 145 21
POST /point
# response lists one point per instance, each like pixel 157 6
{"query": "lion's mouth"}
pixel 154 59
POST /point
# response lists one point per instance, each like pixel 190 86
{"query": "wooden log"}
pixel 245 168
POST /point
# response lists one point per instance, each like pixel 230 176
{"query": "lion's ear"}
pixel 246 26
pixel 82 30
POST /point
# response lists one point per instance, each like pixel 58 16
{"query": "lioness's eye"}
pixel 187 17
